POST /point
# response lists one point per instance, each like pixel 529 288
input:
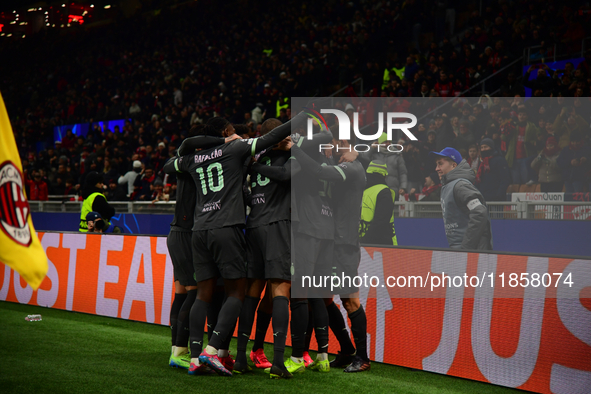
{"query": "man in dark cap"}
pixel 465 214
pixel 95 201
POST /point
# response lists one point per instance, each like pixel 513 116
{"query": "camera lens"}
pixel 99 224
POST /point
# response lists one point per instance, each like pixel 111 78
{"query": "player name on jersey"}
pixel 215 154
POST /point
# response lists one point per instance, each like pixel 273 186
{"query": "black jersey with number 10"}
pixel 218 176
pixel 217 173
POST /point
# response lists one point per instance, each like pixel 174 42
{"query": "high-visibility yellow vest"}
pixel 281 106
pixel 386 78
pixel 399 72
pixel 86 209
pixel 368 208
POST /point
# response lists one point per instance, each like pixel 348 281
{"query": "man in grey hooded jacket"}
pixel 465 214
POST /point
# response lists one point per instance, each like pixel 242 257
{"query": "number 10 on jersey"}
pixel 209 182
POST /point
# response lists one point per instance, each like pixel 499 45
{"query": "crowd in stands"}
pixel 170 73
pixel 511 141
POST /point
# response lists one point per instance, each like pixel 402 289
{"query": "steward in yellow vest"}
pixel 377 209
pixel 95 201
pixel 282 103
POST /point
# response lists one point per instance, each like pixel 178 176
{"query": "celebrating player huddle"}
pixel 222 264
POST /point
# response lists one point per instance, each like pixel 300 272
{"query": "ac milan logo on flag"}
pixel 14 207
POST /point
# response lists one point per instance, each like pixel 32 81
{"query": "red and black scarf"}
pixel 483 168
pixel 428 190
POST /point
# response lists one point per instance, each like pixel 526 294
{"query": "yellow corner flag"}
pixel 20 248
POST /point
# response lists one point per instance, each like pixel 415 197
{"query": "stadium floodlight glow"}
pixel 107 7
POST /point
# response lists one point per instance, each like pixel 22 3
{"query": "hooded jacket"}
pixel 465 214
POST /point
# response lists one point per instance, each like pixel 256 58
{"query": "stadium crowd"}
pixel 183 81
pixel 177 70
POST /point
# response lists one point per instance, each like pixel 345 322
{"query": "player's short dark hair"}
pixel 241 129
pixel 215 126
pixel 269 125
pixel 196 130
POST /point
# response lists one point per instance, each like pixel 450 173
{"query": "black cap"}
pixel 93 178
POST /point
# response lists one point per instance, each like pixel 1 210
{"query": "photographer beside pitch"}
pixel 465 214
pixel 95 222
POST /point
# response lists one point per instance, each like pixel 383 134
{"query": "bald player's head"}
pixel 269 125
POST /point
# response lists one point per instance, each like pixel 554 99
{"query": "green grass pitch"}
pixel 70 352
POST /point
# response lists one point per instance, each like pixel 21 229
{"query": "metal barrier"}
pixel 559 51
pixel 505 210
pixel 120 207
pixel 405 209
